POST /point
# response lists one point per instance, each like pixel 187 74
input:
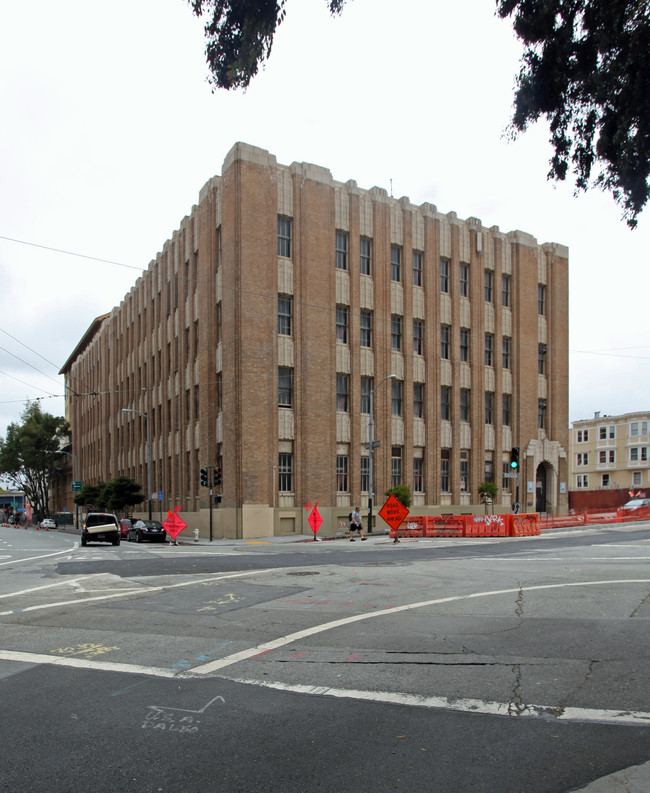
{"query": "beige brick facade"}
pixel 369 286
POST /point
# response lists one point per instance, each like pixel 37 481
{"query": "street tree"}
pixel 91 496
pixel 27 453
pixel 402 493
pixel 120 493
pixel 585 70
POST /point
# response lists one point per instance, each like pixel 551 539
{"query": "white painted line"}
pixel 129 592
pixel 622 717
pixel 266 647
pixel 70 582
pixel 45 556
pixel 84 663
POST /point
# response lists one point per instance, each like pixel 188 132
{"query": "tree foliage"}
pixel 115 495
pixel 402 493
pixel 487 492
pixel 28 452
pixel 585 69
pixel 239 36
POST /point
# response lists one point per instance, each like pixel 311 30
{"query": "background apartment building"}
pixel 255 339
pixel 609 460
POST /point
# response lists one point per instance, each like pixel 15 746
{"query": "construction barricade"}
pixel 444 526
pixel 523 525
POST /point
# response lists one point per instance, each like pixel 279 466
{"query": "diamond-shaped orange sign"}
pixel 315 519
pixel 393 512
pixel 174 524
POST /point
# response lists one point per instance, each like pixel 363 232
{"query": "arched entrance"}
pixel 540 488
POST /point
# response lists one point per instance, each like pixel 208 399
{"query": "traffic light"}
pixel 204 477
pixel 514 458
pixel 217 476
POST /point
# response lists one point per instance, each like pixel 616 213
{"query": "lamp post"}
pixel 146 416
pixel 371 446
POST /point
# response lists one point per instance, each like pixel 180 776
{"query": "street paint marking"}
pixel 84 663
pixel 244 655
pixel 621 717
pixel 45 556
pixel 129 592
pixel 87 650
pixel 71 582
pixel 164 718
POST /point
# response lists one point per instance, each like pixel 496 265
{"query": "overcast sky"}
pixel 110 129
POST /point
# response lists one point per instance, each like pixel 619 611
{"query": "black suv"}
pixel 100 527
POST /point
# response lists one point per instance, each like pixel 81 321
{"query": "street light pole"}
pixel 146 416
pixel 371 447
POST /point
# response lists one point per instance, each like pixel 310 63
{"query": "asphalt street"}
pixel 452 665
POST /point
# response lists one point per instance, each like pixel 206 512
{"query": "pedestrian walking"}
pixel 356 525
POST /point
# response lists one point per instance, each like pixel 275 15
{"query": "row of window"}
pixel 635 454
pixel 286 472
pixel 582 480
pixel 285 312
pixel 636 429
pixel 285 398
pixel 341 255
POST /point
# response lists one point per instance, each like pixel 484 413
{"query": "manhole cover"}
pixel 305 572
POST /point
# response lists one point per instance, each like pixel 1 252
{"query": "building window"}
pixel 418 400
pixel 464 471
pixel 341 325
pixel 284 237
pixel 488 286
pixel 582 436
pixel 582 480
pixel 634 429
pixel 342 482
pixel 489 407
pixel 488 471
pixel 465 398
pixel 636 478
pixel 612 432
pixel 634 454
pixel 604 480
pixel 541 414
pixel 602 433
pixel 445 341
pixel 444 275
pixel 505 291
pixel 366 388
pixel 342 392
pixel 464 280
pixel 365 474
pixel 285 472
pixel 418 336
pixel 365 256
pixel 417 268
pixel 396 465
pixel 395 263
pixel 285 311
pixel 505 352
pixel 285 387
pixel 366 329
pixel 489 349
pixel 612 456
pixel 445 403
pixel 418 478
pixel 506 407
pixel 582 458
pixel 464 344
pixel 396 333
pixel 341 246
pixel 541 299
pixel 541 359
pixel 444 471
pixel 396 393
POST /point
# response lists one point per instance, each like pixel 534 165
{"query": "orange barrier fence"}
pixel 468 526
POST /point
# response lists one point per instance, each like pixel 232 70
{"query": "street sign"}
pixel 77 487
pixel 315 519
pixel 174 524
pixel 393 512
pixel 510 476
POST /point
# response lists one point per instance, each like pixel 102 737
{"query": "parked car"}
pixel 47 523
pixel 636 503
pixel 100 527
pixel 125 525
pixel 151 530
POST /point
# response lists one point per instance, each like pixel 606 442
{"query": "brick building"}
pixel 258 337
